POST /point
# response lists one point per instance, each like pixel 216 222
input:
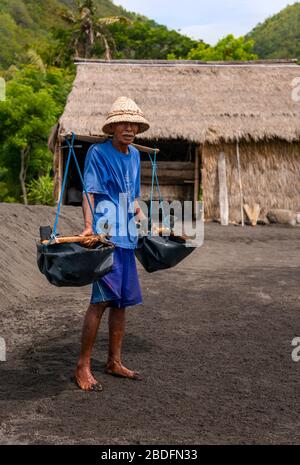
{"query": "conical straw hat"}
pixel 125 110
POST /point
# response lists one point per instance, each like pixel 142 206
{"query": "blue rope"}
pixel 81 178
pixel 53 235
pixel 70 153
pixel 154 173
pixel 152 190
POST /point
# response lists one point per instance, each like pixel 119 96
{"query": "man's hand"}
pixel 88 231
pixel 91 241
pixel 162 230
pixel 156 230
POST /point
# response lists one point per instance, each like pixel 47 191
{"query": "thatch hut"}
pixel 229 131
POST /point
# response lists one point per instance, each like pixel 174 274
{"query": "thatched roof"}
pixel 192 100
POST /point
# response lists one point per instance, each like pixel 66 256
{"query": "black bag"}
pixel 161 252
pixel 72 264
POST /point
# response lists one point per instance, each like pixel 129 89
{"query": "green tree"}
pixel 40 191
pixel 145 39
pixel 11 48
pixel 34 101
pixel 88 30
pixel 227 49
pixel 279 35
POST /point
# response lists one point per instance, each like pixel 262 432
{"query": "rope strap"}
pixel 166 222
pixel 153 181
pixel 70 153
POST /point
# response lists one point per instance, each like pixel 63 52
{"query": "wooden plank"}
pixel 60 173
pixel 169 174
pixel 196 179
pixel 223 194
pixel 240 182
pixel 252 213
pixel 170 165
pixel 162 63
pixel 168 182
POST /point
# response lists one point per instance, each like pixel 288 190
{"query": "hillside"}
pixel 279 35
pixel 25 23
pixel 29 24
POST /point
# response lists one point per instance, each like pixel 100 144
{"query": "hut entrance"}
pixel 175 167
pixel 73 191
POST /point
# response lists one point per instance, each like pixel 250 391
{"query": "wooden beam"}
pixel 170 166
pixel 60 172
pixel 172 174
pixel 57 172
pixel 240 182
pixel 196 179
pixel 94 139
pixel 223 194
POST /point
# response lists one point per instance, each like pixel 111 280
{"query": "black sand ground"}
pixel 213 341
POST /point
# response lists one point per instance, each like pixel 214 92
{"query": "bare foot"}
pixel 116 368
pixel 86 380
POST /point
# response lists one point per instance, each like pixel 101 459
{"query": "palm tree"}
pixel 87 29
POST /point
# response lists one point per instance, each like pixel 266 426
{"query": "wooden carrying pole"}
pixel 91 139
pixel 240 182
pixel 94 238
pixel 67 239
pixel 94 139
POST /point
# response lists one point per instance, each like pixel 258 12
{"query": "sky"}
pixel 209 20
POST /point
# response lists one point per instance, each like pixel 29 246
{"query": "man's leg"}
pixel 116 322
pixel 92 319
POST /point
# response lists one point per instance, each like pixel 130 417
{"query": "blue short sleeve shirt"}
pixel 114 179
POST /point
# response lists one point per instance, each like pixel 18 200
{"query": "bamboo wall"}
pixel 270 172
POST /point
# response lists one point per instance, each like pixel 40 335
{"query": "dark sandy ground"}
pixel 213 341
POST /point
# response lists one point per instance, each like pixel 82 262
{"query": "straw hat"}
pixel 125 110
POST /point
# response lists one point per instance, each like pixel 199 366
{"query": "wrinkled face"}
pixel 125 133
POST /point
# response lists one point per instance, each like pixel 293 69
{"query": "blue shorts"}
pixel 121 285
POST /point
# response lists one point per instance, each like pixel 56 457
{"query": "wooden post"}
pixel 240 182
pixel 60 172
pixel 56 168
pixel 196 179
pixel 223 194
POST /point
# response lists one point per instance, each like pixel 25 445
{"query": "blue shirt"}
pixel 114 179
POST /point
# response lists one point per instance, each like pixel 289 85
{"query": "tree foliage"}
pixel 34 101
pixel 279 35
pixel 11 49
pixel 89 31
pixel 227 49
pixel 148 40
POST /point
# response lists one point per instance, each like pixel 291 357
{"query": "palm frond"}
pixel 113 19
pixel 68 16
pixel 36 60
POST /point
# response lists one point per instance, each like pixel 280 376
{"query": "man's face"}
pixel 125 133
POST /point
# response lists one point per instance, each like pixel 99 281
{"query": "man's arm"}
pixel 87 214
pixel 142 218
pixel 139 214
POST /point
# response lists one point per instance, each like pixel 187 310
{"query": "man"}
pixel 112 180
